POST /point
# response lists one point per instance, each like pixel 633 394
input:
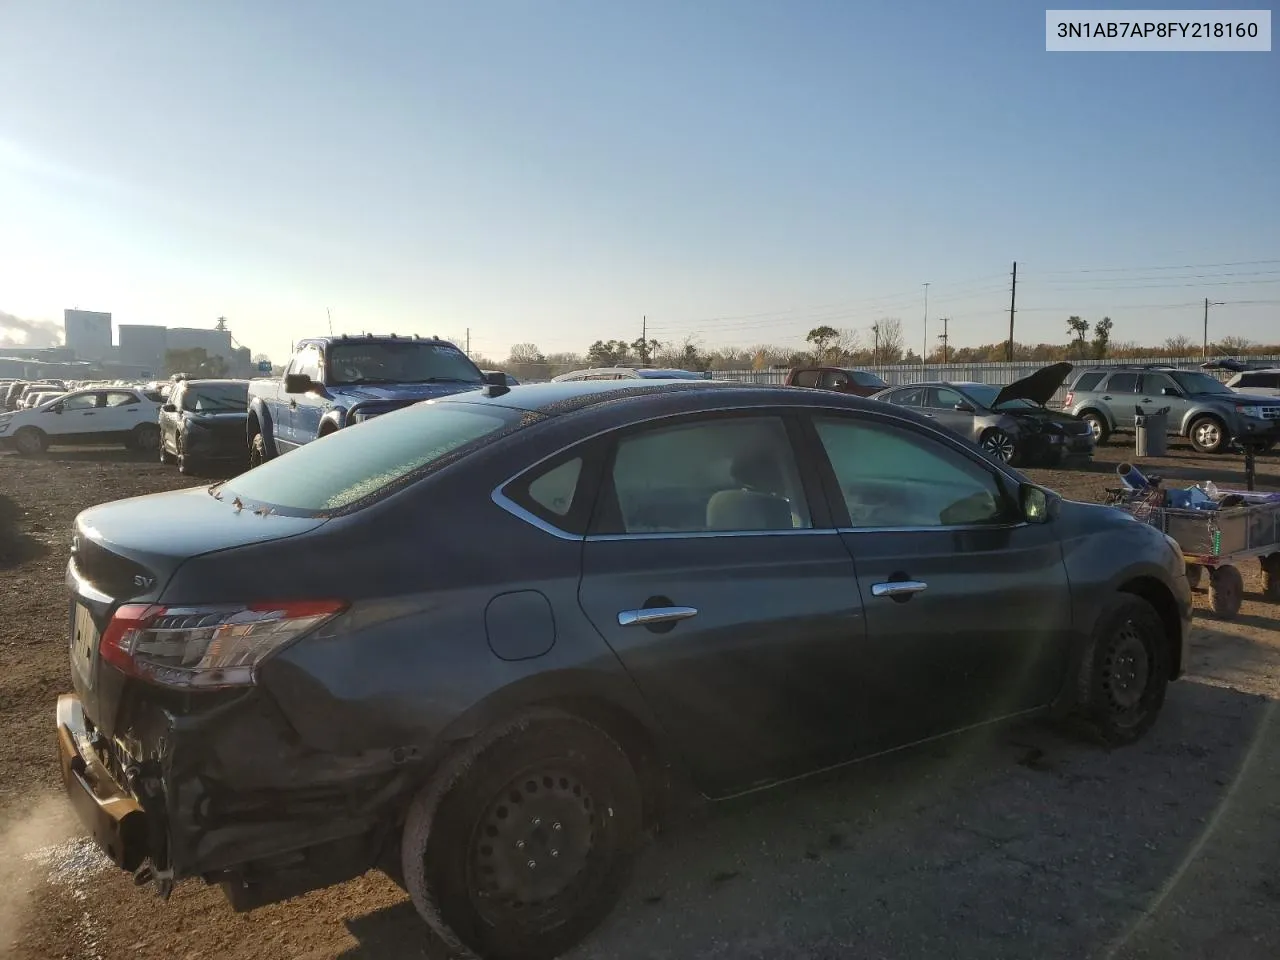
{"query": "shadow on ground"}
pixel 16 547
pixel 1013 842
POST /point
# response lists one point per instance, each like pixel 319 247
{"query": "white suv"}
pixel 82 417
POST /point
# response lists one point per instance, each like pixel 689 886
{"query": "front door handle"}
pixel 650 615
pixel 898 588
pixel 1106 398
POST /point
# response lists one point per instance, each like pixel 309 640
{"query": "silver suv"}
pixel 1201 407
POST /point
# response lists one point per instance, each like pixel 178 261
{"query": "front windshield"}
pixel 217 398
pixel 384 361
pixel 359 461
pixel 986 395
pixel 1199 382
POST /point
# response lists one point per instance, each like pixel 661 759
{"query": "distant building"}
pixel 143 345
pixel 87 333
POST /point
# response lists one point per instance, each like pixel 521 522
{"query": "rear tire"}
pixel 1209 435
pixel 1125 672
pixel 145 436
pixel 523 842
pixel 31 440
pixel 1098 424
pixel 1195 573
pixel 1226 591
pixel 186 465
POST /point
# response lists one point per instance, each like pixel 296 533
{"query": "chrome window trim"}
pixel 501 500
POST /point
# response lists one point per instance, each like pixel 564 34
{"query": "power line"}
pixel 1182 266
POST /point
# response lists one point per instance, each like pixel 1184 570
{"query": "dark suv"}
pixel 860 383
pixel 1201 407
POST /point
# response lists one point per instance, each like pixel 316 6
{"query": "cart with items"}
pixel 1217 531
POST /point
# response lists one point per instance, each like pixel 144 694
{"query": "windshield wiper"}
pixel 351 383
pixel 478 383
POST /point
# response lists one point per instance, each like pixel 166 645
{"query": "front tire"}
pixel 258 453
pixel 186 466
pixel 1098 424
pixel 523 842
pixel 1209 435
pixel 31 440
pixel 999 444
pixel 1125 672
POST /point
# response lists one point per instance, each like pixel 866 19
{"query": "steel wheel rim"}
pixel 532 847
pixel 999 444
pixel 1126 672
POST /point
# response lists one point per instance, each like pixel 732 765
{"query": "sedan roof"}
pixel 566 396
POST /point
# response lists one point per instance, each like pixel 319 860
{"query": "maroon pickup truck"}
pixel 842 380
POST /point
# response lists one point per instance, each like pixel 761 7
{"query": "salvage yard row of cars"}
pixel 679 583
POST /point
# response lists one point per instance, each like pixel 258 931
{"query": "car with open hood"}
pixel 1011 423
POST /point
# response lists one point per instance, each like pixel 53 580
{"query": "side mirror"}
pixel 496 379
pixel 169 408
pixel 963 407
pixel 1170 392
pixel 1038 504
pixel 298 383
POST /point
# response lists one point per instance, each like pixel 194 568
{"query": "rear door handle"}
pixel 649 615
pixel 1106 398
pixel 898 588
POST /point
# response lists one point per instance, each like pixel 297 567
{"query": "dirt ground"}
pixel 1012 843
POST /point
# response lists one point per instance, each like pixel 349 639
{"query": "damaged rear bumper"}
pixel 107 810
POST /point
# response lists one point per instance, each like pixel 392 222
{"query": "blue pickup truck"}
pixel 335 382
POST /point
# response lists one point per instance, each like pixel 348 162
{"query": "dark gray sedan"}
pixel 475 640
pixel 1011 423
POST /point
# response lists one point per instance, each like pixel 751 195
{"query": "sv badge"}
pixel 143 582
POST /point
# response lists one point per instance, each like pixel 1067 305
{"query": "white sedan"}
pixel 83 417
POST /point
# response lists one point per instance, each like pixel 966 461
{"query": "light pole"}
pixel 1204 350
pixel 924 356
pixel 875 354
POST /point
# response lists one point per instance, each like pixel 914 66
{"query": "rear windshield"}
pixel 361 460
pixel 216 398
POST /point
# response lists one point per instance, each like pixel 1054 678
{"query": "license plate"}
pixel 84 644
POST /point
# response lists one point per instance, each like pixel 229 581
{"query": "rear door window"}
pixel 1088 381
pixel 807 378
pixel 1123 383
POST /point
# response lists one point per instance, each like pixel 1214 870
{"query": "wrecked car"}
pixel 1012 423
pixel 474 642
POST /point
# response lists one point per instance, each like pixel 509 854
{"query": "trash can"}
pixel 1150 433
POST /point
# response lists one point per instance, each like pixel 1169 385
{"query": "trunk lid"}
pixel 127 552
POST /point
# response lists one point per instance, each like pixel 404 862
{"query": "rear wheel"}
pixel 1098 424
pixel 145 436
pixel 31 440
pixel 1194 572
pixel 1125 671
pixel 999 444
pixel 1209 435
pixel 523 843
pixel 1226 591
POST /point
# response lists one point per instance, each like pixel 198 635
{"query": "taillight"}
pixel 206 646
pixel 1071 395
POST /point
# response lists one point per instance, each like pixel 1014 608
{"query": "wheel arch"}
pixel 1162 601
pixel 606 700
pixel 1099 412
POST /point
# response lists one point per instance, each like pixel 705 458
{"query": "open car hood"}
pixel 1038 388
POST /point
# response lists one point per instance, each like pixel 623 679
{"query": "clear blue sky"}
pixel 550 171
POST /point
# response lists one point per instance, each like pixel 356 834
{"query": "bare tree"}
pixel 1178 346
pixel 888 333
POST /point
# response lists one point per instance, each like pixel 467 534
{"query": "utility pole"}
pixel 1013 298
pixel 222 324
pixel 875 355
pixel 644 337
pixel 468 341
pixel 329 314
pixel 924 356
pixel 1204 350
pixel 943 336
